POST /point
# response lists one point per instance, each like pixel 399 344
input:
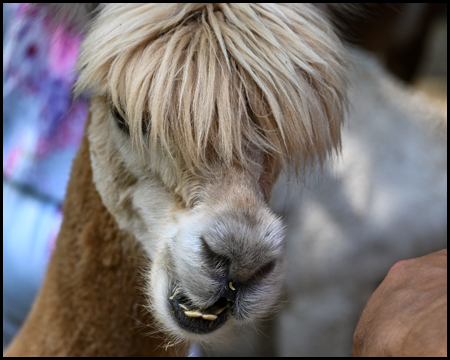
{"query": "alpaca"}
pixel 167 234
pixel 384 200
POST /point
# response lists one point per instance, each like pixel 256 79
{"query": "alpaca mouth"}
pixel 195 320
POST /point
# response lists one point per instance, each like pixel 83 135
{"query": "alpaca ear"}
pixel 73 16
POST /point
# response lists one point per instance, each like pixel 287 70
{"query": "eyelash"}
pixel 121 123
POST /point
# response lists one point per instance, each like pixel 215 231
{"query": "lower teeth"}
pixel 209 317
pixel 197 313
pixel 193 313
pixel 184 307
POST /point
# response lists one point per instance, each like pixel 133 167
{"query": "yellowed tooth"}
pixel 176 292
pixel 230 284
pixel 184 307
pixel 209 317
pixel 217 310
pixel 193 313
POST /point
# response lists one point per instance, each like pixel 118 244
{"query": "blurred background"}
pixel 43 126
pixel 410 39
pixel 42 129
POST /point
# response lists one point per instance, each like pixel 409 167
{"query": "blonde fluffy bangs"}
pixel 210 82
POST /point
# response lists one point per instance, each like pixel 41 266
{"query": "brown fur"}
pixel 91 301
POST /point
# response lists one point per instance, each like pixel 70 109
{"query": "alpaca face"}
pixel 196 108
pixel 214 263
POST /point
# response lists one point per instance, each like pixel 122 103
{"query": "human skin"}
pixel 407 314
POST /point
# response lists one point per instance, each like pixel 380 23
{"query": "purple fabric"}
pixel 42 129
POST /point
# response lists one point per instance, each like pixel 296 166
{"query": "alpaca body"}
pixel 195 110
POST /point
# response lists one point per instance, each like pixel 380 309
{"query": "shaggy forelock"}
pixel 211 81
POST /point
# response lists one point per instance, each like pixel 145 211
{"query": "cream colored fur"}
pixel 217 98
pixel 228 94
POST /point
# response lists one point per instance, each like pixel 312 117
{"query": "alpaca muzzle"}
pixel 196 320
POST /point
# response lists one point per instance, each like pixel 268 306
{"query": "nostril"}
pixel 213 259
pixel 229 291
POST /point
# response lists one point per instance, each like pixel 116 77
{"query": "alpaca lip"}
pixel 198 321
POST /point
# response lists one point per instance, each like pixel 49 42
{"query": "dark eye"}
pixel 121 123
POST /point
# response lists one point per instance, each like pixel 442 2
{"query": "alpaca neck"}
pixel 91 302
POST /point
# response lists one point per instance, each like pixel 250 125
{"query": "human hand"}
pixel 407 314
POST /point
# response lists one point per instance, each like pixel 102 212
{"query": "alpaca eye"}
pixel 121 123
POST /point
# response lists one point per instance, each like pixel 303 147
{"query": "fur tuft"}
pixel 213 81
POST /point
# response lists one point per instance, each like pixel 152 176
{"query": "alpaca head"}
pixel 195 110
